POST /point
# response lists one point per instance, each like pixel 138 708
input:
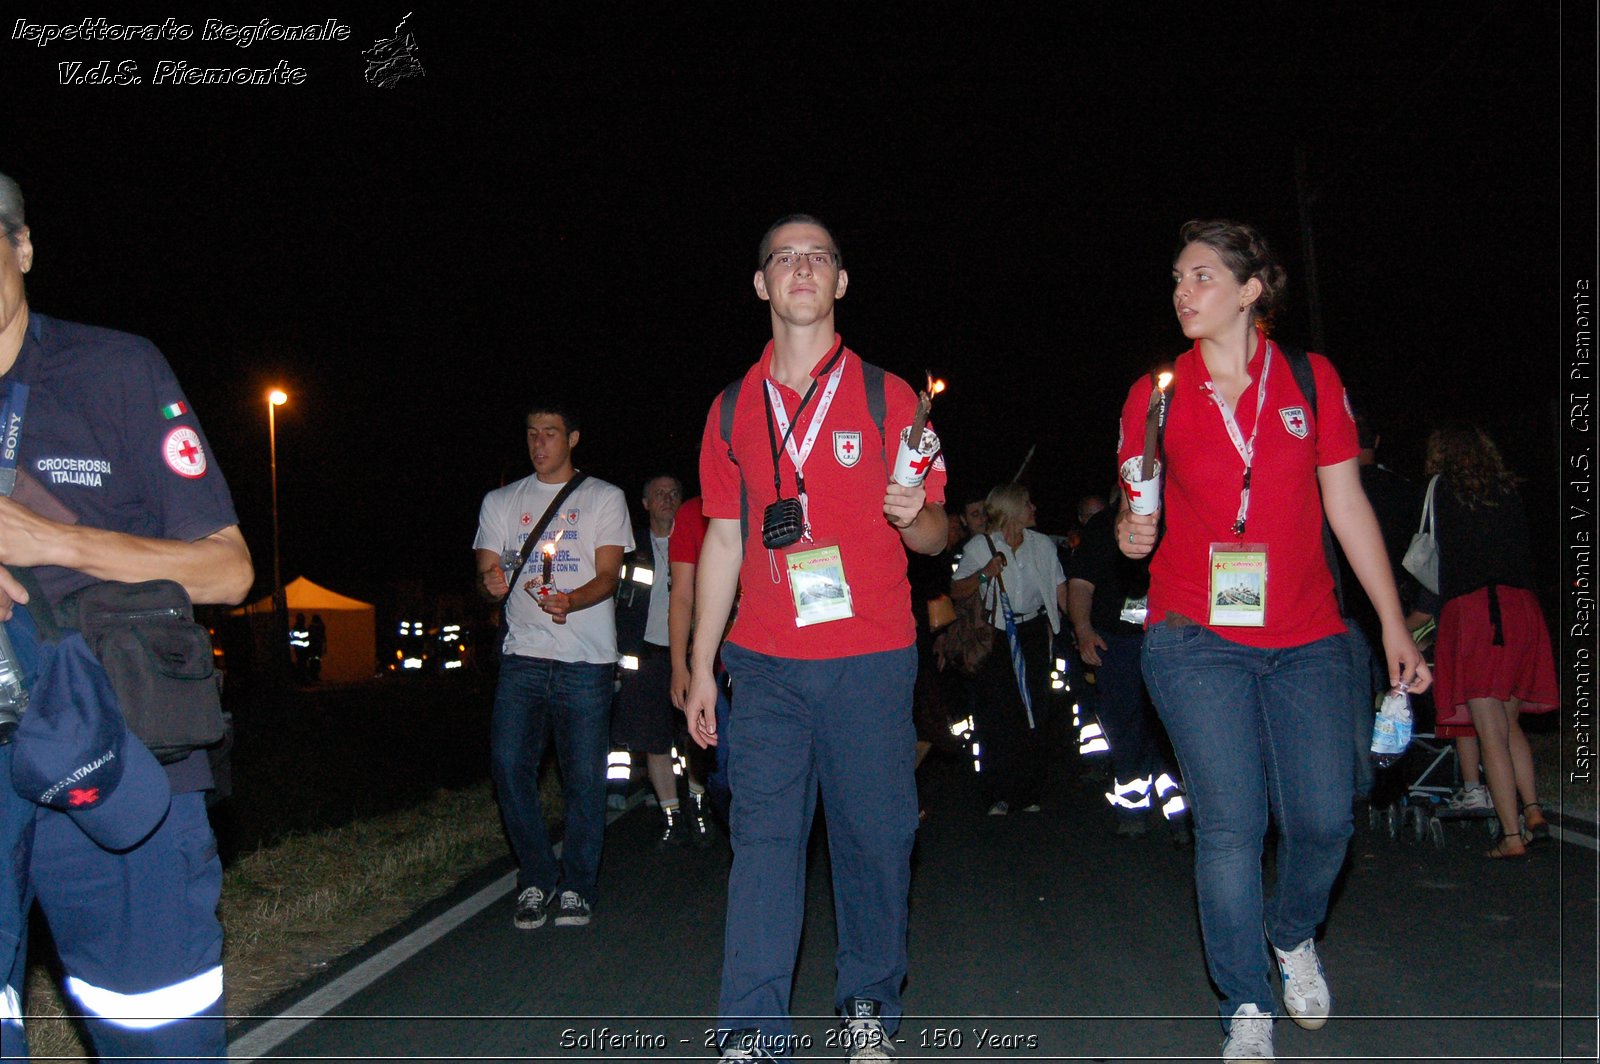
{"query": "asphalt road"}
pixel 1033 937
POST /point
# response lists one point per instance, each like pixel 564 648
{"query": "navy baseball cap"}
pixel 74 751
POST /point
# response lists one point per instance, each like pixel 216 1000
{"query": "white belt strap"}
pixel 153 1008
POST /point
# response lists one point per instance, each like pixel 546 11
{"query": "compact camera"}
pixel 782 523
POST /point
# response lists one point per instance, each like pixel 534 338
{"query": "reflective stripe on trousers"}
pixel 153 1008
pixel 10 1005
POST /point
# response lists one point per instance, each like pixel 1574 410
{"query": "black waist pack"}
pixel 159 661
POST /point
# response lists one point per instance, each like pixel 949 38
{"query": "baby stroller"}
pixel 1423 790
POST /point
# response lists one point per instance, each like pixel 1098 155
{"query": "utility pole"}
pixel 1308 247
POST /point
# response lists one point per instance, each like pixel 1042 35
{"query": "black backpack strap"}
pixel 730 403
pixel 1306 378
pixel 38 607
pixel 872 379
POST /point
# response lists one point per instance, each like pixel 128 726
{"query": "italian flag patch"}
pixel 174 410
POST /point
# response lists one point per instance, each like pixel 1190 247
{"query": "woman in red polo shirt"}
pixel 1244 648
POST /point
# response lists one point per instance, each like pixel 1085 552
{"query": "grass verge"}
pixel 290 909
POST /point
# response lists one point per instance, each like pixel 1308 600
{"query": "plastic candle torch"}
pixel 1155 417
pixel 918 444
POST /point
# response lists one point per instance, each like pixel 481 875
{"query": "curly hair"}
pixel 1465 455
pixel 1246 254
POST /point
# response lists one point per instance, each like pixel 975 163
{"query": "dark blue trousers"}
pixel 137 932
pixel 841 727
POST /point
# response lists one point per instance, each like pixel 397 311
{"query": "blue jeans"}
pixel 536 696
pixel 842 725
pixel 1367 677
pixel 1257 729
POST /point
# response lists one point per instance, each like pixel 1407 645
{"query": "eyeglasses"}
pixel 786 259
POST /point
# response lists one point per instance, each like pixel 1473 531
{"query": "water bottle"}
pixel 1391 729
pixel 13 695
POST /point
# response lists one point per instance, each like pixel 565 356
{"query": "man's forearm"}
pixel 215 569
pixel 602 587
pixel 680 612
pixel 1080 595
pixel 716 582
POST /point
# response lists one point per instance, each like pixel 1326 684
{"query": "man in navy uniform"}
pixel 130 492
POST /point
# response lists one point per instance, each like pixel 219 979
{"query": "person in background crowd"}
pixel 299 647
pixel 316 648
pixel 134 920
pixel 1245 653
pixel 940 693
pixel 643 716
pixel 1012 732
pixel 557 665
pixel 974 518
pixel 683 552
pixel 1106 594
pixel 1493 648
pixel 1086 507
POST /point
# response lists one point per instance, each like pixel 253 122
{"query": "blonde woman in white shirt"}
pixel 1012 746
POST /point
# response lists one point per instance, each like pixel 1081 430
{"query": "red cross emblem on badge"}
pixel 181 450
pixel 83 796
pixel 1294 419
pixel 527 519
pixel 847 447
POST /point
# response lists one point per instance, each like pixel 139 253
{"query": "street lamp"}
pixel 275 398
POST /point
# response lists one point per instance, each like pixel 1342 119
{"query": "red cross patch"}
pixel 183 454
pixel 83 796
pixel 1294 419
pixel 847 448
pixel 527 519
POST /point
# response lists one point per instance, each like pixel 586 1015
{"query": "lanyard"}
pixel 775 411
pixel 1246 448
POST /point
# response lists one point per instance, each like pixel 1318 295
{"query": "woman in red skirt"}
pixel 1493 659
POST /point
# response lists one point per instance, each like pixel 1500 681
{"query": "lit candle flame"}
pixel 935 387
pixel 549 549
pixel 1163 380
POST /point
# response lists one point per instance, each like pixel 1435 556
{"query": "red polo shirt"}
pixel 1200 492
pixel 846 474
pixel 688 533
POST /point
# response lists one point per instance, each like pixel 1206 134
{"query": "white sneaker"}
pixel 1472 798
pixel 1305 988
pixel 1249 1037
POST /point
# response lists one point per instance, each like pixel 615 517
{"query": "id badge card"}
pixel 1134 610
pixel 1238 585
pixel 817 585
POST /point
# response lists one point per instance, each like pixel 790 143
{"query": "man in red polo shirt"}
pixel 822 655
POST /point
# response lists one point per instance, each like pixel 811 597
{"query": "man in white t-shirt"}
pixel 557 665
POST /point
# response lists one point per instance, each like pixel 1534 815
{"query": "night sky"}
pixel 568 205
